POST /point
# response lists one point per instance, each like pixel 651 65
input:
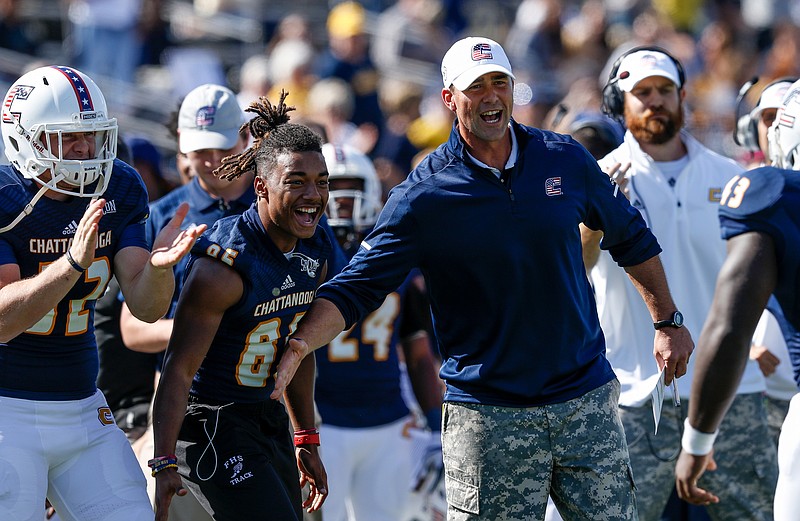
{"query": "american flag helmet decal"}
pixel 83 98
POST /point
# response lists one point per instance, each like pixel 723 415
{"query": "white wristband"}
pixel 695 442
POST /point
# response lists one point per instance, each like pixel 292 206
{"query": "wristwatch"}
pixel 675 321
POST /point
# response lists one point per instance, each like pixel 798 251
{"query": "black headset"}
pixel 614 99
pixel 746 132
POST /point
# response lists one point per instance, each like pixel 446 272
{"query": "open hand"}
pixel 173 243
pixel 312 472
pixel 296 350
pixel 85 240
pixel 687 471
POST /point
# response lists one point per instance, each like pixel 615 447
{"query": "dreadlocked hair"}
pixel 272 135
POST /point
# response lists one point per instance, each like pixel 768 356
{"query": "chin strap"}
pixel 29 207
pixel 25 211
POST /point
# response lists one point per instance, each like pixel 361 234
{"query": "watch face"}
pixel 678 318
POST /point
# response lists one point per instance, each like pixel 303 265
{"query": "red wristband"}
pixel 306 439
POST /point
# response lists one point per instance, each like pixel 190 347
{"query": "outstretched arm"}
pixel 146 278
pixel 672 346
pixel 744 284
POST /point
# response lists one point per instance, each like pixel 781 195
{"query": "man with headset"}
pixel 675 183
pixel 751 127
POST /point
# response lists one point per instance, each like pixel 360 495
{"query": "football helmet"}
pixel 362 204
pixel 784 134
pixel 42 106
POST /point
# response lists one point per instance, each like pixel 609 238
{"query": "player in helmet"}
pixel 784 134
pixel 72 217
pixel 760 218
pixel 769 346
pixel 359 388
pixel 355 197
pixel 36 124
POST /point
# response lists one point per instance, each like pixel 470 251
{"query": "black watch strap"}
pixel 676 321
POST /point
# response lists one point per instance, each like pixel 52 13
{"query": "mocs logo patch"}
pixel 105 416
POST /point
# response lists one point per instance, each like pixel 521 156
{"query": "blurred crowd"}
pixel 368 72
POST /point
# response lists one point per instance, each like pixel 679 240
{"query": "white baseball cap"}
pixel 471 58
pixel 209 118
pixel 771 97
pixel 639 65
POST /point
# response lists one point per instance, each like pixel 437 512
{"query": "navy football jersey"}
pixel 767 200
pixel 203 209
pixel 278 289
pixel 56 359
pixel 358 373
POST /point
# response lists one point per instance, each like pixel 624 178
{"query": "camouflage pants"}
pixel 502 462
pixel 776 413
pixel 744 452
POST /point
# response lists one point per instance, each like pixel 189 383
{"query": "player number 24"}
pixel 376 330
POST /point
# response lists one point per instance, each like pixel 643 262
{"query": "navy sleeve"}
pixel 748 201
pixel 380 265
pixel 7 253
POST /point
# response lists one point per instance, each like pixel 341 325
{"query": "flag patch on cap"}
pixel 481 51
pixel 205 116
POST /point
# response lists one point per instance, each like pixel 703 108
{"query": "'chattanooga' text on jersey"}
pixel 62 245
pixel 283 302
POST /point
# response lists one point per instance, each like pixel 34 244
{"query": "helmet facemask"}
pixel 79 174
pixel 355 200
pixel 362 194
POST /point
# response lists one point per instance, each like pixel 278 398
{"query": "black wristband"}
pixel 74 263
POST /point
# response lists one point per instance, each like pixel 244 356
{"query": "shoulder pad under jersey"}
pixel 752 191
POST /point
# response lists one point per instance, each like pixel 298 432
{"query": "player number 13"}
pixel 734 191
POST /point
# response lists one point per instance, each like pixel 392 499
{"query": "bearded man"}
pixel 676 183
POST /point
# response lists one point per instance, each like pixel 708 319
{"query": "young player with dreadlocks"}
pixel 249 281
